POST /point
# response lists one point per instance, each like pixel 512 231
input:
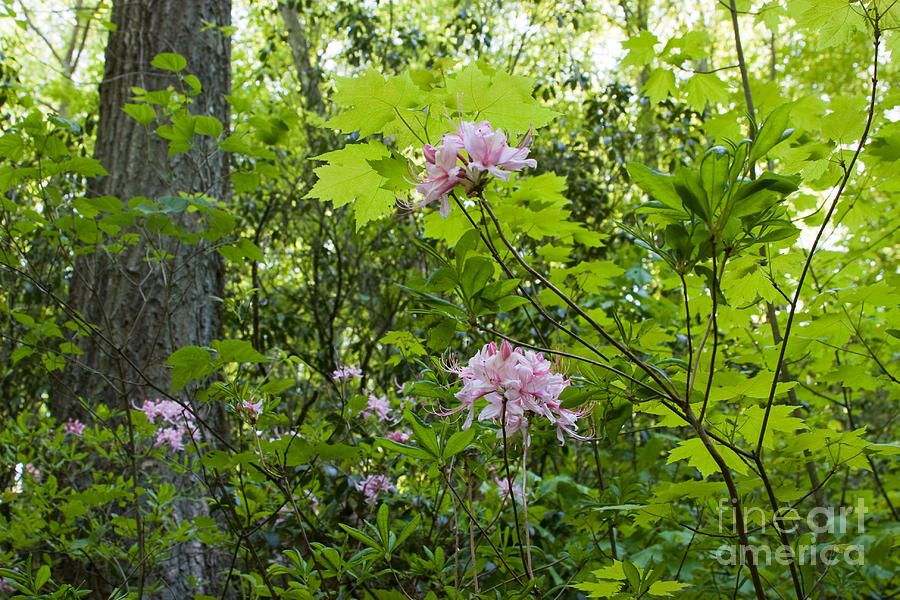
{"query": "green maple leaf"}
pixel 780 419
pixel 847 119
pixel 498 97
pixel 659 85
pixel 640 49
pixel 835 20
pixel 351 177
pixel 697 455
pixel 706 87
pixel 372 103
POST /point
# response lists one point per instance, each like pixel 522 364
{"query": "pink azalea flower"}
pixel 171 411
pixel 344 372
pixel 443 171
pixel 251 409
pixel 487 154
pixel 373 485
pixel 378 405
pixel 173 436
pixel 517 386
pixel 503 489
pixel 401 437
pixel 313 501
pixel 488 151
pixel 73 426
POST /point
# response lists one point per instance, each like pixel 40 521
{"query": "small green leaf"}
pixel 189 362
pixel 407 530
pixel 406 449
pixel 239 351
pixel 362 537
pixel 424 433
pixel 458 442
pixel 142 113
pixel 666 588
pixel 477 272
pixel 276 386
pixel 381 520
pixel 210 126
pixel 773 132
pixel 169 61
pixel 194 83
pixel 41 577
pixel 216 459
pixel 659 186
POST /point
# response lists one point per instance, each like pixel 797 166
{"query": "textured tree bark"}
pixel 145 309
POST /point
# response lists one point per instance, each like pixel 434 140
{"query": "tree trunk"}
pixel 145 308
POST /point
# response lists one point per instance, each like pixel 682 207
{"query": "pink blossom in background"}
pixel 487 153
pixel 32 470
pixel 373 485
pixel 344 372
pixel 251 409
pixel 503 487
pixel 401 437
pixel 518 385
pixel 73 426
pixel 378 405
pixel 313 501
pixel 171 411
pixel 173 436
pixel 283 514
pixel 276 435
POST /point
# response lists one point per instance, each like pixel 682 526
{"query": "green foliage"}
pixel 661 251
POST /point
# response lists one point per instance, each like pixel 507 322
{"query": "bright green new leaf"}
pixel 780 419
pixel 666 588
pixel 640 49
pixel 496 96
pixel 142 113
pixel 189 362
pixel 238 351
pixel 703 88
pixel 210 126
pixel 659 85
pixel 697 455
pixel 372 103
pixel 350 178
pixel 835 20
pixel 169 61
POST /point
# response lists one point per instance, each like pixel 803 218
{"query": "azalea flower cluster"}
pixel 377 405
pixel 468 157
pixel 373 485
pixel 517 384
pixel 344 373
pixel 73 427
pixel 251 410
pixel 174 415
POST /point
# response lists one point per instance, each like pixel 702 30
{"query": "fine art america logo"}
pixel 819 528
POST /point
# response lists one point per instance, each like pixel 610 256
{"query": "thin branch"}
pixel 848 171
